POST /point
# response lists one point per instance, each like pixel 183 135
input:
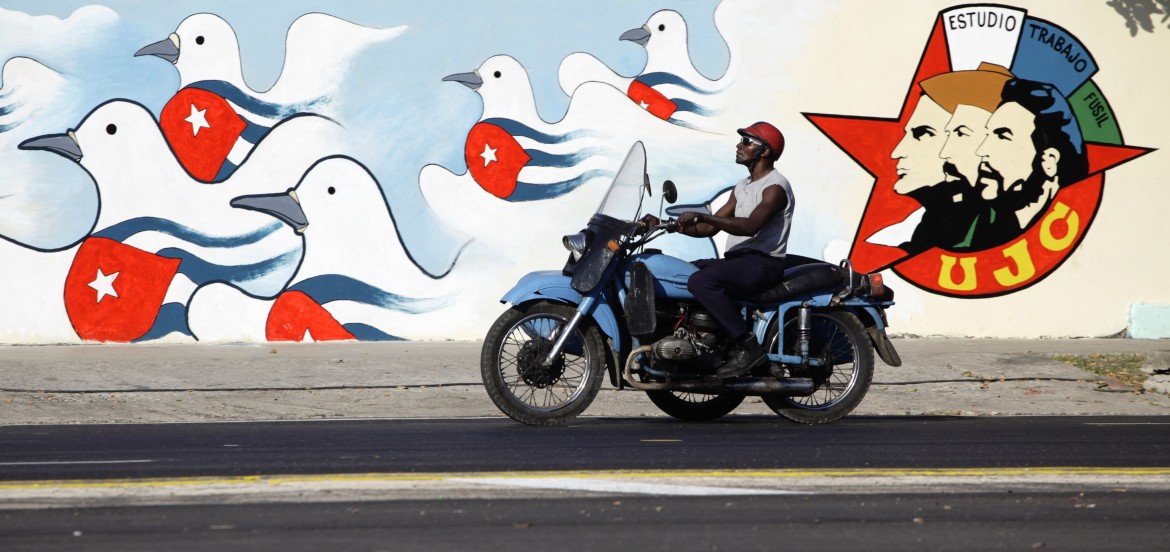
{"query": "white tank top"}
pixel 772 238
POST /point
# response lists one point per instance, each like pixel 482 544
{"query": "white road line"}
pixel 75 462
pixel 1125 423
pixel 618 486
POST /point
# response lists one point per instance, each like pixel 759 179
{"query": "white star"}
pixel 644 105
pixel 488 154
pixel 198 120
pixel 104 284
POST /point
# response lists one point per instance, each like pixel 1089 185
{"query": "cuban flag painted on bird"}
pixel 494 158
pixel 651 100
pixel 113 291
pixel 296 317
pixel 209 138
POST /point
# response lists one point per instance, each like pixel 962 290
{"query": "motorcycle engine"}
pixel 675 348
pixel 685 344
pixel 694 344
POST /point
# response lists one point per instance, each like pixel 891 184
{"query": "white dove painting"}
pixel 669 86
pixel 318 51
pixel 355 281
pixel 215 119
pixel 163 233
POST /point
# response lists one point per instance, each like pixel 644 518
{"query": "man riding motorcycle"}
pixel 758 217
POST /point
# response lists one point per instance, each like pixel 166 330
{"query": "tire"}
pixel 695 407
pixel 840 337
pixel 517 382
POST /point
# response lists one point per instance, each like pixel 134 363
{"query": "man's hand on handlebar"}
pixel 689 219
pixel 650 222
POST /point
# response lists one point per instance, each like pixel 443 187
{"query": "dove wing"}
pixel 318 51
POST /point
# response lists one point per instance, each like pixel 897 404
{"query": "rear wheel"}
pixel 838 339
pixel 694 407
pixel 518 380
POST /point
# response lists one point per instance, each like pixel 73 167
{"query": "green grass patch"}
pixel 1126 368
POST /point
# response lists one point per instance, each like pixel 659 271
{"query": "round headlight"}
pixel 576 244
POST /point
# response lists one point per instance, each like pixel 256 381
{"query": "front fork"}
pixel 583 310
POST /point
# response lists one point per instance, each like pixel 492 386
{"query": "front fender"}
pixel 553 285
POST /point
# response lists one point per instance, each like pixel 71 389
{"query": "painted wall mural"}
pixel 1000 155
pixel 310 171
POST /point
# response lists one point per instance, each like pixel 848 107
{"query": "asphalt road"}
pixel 743 483
pixel 984 521
pixel 487 445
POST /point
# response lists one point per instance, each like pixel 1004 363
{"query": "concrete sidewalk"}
pixel 290 381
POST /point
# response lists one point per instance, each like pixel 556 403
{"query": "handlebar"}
pixel 669 225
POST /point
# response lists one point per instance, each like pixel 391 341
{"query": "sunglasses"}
pixel 747 141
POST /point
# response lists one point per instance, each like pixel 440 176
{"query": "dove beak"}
pixel 64 145
pixel 167 48
pixel 639 35
pixel 470 80
pixel 285 207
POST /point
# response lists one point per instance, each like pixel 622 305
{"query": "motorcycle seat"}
pixel 798 280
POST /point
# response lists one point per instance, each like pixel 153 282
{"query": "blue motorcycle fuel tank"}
pixel 670 274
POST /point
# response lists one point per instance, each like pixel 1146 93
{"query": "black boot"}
pixel 747 355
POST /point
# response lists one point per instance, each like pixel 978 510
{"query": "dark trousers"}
pixel 738 275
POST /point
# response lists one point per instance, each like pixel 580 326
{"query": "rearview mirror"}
pixel 669 191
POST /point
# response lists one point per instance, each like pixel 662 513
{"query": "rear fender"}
pixel 874 320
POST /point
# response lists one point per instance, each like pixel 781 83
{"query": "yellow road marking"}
pixel 618 474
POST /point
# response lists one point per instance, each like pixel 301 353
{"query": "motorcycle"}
pixel 620 308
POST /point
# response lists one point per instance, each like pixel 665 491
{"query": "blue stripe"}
pixel 172 317
pixel 534 192
pixel 252 104
pixel 8 110
pixel 225 171
pixel 655 79
pixel 520 129
pixel 681 123
pixel 253 132
pixel 327 288
pixel 124 230
pixel 201 271
pixel 687 105
pixel 369 333
pixel 559 160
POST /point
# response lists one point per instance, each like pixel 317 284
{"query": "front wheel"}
pixel 516 376
pixel 838 340
pixel 694 407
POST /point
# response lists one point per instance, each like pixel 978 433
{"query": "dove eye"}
pixel 662 27
pixel 332 190
pixel 111 129
pixel 496 74
pixel 199 40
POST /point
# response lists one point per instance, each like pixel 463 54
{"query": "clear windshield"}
pixel 623 201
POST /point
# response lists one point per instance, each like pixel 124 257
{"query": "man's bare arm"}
pixel 702 230
pixel 774 200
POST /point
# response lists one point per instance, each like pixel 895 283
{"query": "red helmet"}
pixel 767 134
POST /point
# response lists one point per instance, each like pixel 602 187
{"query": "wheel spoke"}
pixel 523 371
